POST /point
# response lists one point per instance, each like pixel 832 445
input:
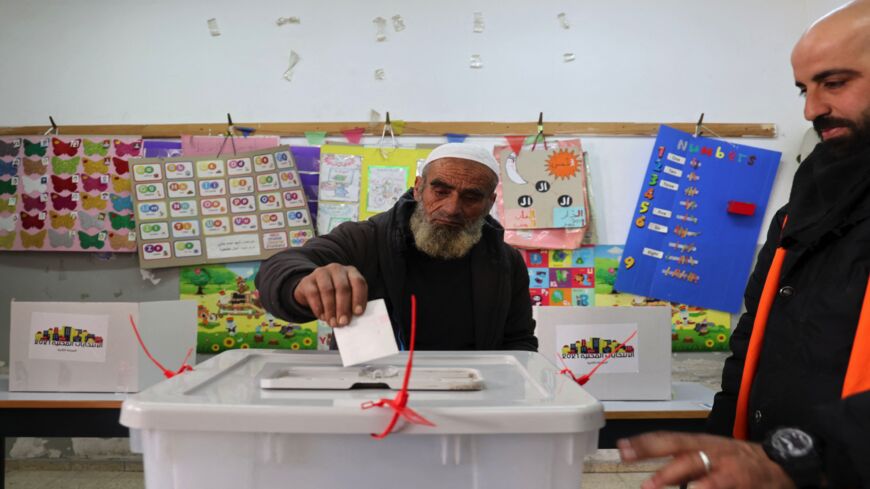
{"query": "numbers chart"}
pixel 697 220
pixel 218 209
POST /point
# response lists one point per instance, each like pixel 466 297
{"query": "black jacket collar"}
pixel 828 194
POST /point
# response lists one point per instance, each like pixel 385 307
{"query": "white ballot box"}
pixel 263 419
pixel 629 346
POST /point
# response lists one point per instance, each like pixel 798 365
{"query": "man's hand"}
pixel 332 292
pixel 732 463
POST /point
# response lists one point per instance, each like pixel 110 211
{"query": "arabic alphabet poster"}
pixel 230 315
pixel 203 209
pixel 692 328
pixel 696 223
pixel 544 188
pixel 67 193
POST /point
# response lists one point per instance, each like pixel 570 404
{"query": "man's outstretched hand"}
pixel 333 293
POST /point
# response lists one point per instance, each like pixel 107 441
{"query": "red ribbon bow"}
pixel 399 403
pixel 166 372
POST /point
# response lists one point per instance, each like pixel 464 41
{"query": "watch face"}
pixel 791 443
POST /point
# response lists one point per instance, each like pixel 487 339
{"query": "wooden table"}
pixel 686 411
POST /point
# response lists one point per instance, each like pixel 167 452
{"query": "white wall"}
pixel 153 61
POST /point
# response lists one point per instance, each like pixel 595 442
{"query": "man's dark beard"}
pixel 846 145
pixel 441 241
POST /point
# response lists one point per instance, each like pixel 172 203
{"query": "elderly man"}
pixel 439 243
pixel 799 376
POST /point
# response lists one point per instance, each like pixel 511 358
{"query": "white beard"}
pixel 443 241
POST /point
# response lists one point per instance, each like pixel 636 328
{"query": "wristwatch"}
pixel 797 452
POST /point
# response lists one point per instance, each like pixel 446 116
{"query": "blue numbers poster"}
pixel 696 223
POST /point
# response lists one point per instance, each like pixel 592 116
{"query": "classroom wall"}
pixel 153 61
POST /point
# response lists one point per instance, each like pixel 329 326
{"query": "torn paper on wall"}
pixel 213 28
pixel 294 60
pixel 381 23
pixel 398 23
pixel 478 22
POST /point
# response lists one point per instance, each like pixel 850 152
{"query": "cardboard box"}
pixel 91 346
pixel 637 338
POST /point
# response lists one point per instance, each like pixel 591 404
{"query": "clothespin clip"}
pixel 387 125
pixel 228 135
pixel 540 134
pixel 53 129
pixel 699 125
pixel 246 131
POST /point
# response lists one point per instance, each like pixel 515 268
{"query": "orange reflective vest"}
pixel 857 373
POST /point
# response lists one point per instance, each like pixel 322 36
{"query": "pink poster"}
pixel 212 145
pixel 67 193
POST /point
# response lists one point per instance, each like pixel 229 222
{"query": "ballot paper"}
pixel 367 337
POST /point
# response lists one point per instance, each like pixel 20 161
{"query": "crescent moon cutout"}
pixel 510 167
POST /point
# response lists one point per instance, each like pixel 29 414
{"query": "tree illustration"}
pixel 199 277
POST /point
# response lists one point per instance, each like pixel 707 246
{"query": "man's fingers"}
pixel 683 468
pixel 661 444
pixel 360 290
pixel 334 293
pixel 307 294
pixel 327 295
pixel 342 295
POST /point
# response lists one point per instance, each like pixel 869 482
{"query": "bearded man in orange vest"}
pixel 796 391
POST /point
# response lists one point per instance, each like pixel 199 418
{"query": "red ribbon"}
pixel 166 372
pixel 399 403
pixel 585 378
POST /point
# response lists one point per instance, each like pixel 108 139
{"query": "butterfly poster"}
pixel 67 193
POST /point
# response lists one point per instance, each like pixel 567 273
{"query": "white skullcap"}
pixel 464 151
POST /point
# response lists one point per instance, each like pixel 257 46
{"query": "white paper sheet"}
pixel 367 337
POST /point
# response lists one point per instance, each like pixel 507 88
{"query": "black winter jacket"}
pixel 814 315
pixel 377 248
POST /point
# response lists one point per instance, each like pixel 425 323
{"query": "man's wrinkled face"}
pixel 453 198
pixel 832 70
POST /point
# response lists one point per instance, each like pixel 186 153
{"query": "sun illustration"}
pixel 563 163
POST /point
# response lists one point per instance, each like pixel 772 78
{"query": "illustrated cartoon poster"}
pixel 692 328
pixel 339 177
pixel 338 190
pixel 230 314
pixel 561 277
pixel 583 346
pixel 544 188
pixel 67 193
pixel 386 174
pixel 696 223
pixel 382 177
